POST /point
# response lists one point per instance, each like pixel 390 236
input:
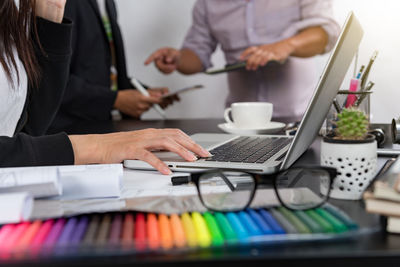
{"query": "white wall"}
pixel 150 24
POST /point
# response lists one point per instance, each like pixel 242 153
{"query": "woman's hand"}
pixel 52 10
pixel 117 147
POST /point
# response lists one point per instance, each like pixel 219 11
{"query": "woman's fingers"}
pixel 151 159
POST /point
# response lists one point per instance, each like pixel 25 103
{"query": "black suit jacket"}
pixel 88 95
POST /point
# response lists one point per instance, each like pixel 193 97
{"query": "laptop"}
pixel 270 153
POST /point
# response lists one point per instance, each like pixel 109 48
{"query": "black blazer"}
pixel 28 147
pixel 88 95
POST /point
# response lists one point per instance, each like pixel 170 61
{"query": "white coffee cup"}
pixel 249 115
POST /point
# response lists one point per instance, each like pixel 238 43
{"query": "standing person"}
pixel 258 31
pixel 98 83
pixel 35 52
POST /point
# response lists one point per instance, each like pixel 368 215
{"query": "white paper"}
pixel 15 207
pixel 38 181
pixel 91 181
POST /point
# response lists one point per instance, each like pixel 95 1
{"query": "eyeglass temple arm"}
pixel 226 180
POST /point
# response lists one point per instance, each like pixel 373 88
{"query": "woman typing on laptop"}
pixel 34 57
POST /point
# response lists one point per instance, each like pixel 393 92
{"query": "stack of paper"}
pixel 15 207
pixel 39 181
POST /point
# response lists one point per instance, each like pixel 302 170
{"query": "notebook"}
pixel 274 152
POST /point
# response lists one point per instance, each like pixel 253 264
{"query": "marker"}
pixel 153 232
pixel 80 230
pixel 296 222
pixel 144 92
pixel 226 228
pixel 341 216
pixel 29 234
pixel 178 233
pixel 271 221
pixel 264 227
pixel 67 231
pixel 165 231
pixel 41 236
pixel 238 227
pixel 140 232
pixel 90 235
pixel 128 230
pixel 327 227
pixel 54 233
pixel 189 229
pixel 337 225
pixel 115 231
pixel 311 224
pixel 216 235
pixel 289 228
pixel 202 233
pixel 249 224
pixel 103 231
pixel 360 72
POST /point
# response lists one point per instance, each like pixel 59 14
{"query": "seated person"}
pixel 98 81
pixel 34 67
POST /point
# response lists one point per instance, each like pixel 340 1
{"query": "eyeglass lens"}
pixel 302 189
pixel 226 191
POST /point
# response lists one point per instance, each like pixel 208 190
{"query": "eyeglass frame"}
pixel 195 177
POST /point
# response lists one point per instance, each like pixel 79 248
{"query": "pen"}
pixel 142 90
pixel 367 70
pixel 361 98
pixel 360 72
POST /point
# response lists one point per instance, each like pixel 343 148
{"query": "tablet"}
pixel 182 90
pixel 237 66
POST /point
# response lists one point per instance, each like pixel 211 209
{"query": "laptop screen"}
pixel 327 89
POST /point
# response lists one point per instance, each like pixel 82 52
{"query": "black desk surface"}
pixel 371 249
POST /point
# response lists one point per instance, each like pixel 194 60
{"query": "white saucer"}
pixel 272 127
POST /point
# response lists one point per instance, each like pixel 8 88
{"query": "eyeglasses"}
pixel 299 188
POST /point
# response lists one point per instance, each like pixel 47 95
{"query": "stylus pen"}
pixel 142 90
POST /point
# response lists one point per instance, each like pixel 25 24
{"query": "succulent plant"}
pixel 351 124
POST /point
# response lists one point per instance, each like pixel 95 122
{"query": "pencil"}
pixel 202 233
pixel 165 231
pixel 27 238
pixel 189 229
pixel 264 227
pixel 41 236
pixel 13 238
pixel 54 233
pixel 153 233
pixel 178 233
pixel 249 224
pixel 68 229
pixel 271 221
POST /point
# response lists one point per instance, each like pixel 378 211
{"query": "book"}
pixel 383 207
pixel 393 225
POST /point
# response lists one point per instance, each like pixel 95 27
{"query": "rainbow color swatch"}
pixel 139 232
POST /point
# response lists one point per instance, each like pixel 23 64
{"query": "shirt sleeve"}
pixel 199 38
pixel 317 13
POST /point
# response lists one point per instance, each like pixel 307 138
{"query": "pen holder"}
pixel 362 102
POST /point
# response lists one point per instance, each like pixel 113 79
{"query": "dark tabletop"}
pixel 376 247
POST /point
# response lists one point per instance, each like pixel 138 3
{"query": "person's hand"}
pixel 133 103
pixel 166 59
pixel 135 145
pixel 259 56
pixel 52 10
pixel 166 101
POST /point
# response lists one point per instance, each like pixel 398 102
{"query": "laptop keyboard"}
pixel 249 149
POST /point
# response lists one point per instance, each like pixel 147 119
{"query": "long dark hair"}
pixel 16 29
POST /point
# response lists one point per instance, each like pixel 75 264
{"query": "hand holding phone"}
pixel 182 90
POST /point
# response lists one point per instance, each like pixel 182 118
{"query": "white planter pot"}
pixel 356 164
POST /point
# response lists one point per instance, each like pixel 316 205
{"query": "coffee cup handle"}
pixel 226 115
